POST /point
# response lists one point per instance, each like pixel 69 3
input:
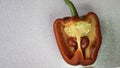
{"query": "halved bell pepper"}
pixel 78 38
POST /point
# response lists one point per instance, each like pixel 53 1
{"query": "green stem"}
pixel 72 8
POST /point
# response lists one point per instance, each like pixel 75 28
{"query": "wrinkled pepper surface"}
pixel 78 38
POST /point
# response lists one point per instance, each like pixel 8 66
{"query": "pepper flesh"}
pixel 78 39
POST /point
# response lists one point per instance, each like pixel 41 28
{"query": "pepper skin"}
pixel 78 38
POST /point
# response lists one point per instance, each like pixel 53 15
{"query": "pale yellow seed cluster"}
pixel 78 30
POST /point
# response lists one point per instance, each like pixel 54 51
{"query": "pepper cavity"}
pixel 77 33
pixel 77 30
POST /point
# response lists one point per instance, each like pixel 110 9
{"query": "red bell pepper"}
pixel 78 38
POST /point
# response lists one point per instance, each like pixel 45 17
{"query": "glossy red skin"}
pixel 76 57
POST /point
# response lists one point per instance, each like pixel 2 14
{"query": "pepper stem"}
pixel 72 8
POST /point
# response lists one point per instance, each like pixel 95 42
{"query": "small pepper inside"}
pixel 77 30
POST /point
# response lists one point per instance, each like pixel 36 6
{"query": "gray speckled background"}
pixel 27 39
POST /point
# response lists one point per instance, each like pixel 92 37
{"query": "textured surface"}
pixel 27 39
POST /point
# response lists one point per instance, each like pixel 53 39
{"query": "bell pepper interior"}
pixel 80 29
pixel 77 30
